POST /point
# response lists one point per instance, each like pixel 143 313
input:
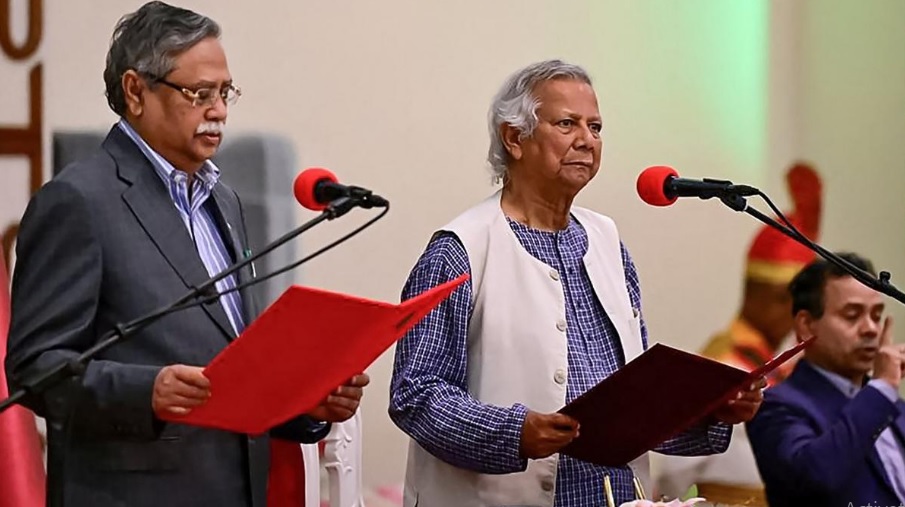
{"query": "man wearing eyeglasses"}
pixel 127 231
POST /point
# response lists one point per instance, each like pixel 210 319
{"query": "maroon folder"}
pixel 301 348
pixel 659 394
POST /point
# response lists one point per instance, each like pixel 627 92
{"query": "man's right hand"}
pixel 546 434
pixel 178 389
pixel 890 359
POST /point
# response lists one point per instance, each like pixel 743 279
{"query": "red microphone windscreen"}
pixel 305 183
pixel 651 182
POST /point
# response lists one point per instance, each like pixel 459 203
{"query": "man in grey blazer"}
pixel 124 232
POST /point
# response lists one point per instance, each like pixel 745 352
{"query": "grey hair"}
pixel 516 105
pixel 148 42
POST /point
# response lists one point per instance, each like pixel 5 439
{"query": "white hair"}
pixel 516 105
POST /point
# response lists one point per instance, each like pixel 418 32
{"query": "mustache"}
pixel 211 127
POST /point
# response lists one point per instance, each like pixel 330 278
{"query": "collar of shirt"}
pixel 208 175
pixel 541 244
pixel 846 386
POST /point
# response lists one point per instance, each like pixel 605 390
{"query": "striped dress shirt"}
pixel 198 220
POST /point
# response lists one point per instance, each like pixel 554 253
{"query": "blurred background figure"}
pixel 760 330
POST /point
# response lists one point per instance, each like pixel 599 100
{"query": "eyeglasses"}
pixel 205 96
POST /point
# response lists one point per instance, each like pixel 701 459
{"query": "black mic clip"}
pixel 355 197
pixel 730 194
pixel 343 198
pixel 720 188
pixel 367 199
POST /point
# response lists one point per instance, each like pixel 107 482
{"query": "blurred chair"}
pixel 342 461
pixel 261 169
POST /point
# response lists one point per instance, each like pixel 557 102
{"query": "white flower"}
pixel 674 503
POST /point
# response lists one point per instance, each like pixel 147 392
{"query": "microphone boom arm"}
pixel 881 284
pixel 206 291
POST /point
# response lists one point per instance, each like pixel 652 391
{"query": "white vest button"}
pixel 554 274
pixel 559 377
pixel 561 324
pixel 546 485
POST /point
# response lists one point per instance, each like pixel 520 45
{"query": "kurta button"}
pixel 635 312
pixel 561 325
pixel 554 274
pixel 546 485
pixel 559 377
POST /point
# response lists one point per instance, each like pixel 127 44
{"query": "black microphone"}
pixel 315 188
pixel 661 186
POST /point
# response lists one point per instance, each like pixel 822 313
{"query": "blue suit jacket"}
pixel 815 446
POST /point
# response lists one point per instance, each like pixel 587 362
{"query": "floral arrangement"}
pixel 690 498
pixel 674 503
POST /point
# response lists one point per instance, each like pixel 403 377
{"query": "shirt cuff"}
pixel 718 436
pixel 515 423
pixel 885 388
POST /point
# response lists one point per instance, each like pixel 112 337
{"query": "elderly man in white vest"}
pixel 553 307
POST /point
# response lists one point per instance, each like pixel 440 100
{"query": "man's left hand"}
pixel 342 403
pixel 744 406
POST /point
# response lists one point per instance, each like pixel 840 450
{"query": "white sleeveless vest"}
pixel 517 350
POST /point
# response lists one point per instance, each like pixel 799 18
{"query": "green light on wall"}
pixel 692 75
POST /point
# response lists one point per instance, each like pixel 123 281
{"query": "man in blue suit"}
pixel 830 435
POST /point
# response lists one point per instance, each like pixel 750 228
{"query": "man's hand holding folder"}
pixel 342 403
pixel 546 434
pixel 179 388
pixel 289 361
pixel 744 405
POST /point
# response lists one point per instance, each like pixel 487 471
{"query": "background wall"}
pixel 393 95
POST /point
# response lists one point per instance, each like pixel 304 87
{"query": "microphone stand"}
pixel 76 366
pixel 737 202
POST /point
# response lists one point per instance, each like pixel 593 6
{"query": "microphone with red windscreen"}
pixel 660 185
pixel 651 185
pixel 316 188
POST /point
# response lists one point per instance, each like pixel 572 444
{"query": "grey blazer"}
pixel 99 245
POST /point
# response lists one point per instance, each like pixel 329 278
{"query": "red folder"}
pixel 301 348
pixel 659 394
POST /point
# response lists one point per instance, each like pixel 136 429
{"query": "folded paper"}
pixel 659 394
pixel 298 351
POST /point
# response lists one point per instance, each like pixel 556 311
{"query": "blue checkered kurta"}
pixel 429 399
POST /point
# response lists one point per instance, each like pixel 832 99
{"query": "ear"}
pixel 803 324
pixel 134 88
pixel 511 140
